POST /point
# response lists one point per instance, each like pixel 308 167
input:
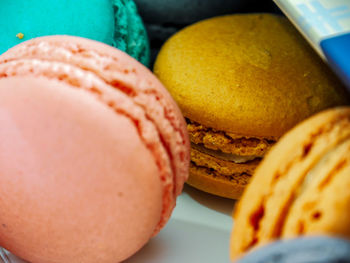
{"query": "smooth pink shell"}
pixel 96 152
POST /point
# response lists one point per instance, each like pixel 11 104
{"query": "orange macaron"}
pixel 242 81
pixel 301 188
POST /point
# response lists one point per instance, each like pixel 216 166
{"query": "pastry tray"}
pixel 198 232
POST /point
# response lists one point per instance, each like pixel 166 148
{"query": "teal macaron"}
pixel 114 22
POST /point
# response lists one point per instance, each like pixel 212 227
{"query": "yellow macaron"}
pixel 242 81
pixel 301 187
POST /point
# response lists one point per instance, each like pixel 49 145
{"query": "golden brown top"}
pixel 246 74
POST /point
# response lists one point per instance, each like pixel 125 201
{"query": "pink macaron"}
pixel 93 152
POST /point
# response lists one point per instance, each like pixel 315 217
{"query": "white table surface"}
pixel 198 232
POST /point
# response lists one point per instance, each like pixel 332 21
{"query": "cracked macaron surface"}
pixel 301 187
pixel 121 86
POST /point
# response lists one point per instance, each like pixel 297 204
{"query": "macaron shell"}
pixel 78 168
pixel 127 76
pixel 317 208
pixel 130 34
pixel 212 182
pixel 113 22
pixel 266 210
pixel 45 17
pixel 250 74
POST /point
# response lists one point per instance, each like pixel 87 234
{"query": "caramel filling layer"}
pixel 224 156
pixel 228 143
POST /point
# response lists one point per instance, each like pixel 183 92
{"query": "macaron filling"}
pixel 227 142
pixel 227 154
pixel 224 156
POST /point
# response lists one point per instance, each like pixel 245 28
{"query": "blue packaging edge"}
pixel 337 52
